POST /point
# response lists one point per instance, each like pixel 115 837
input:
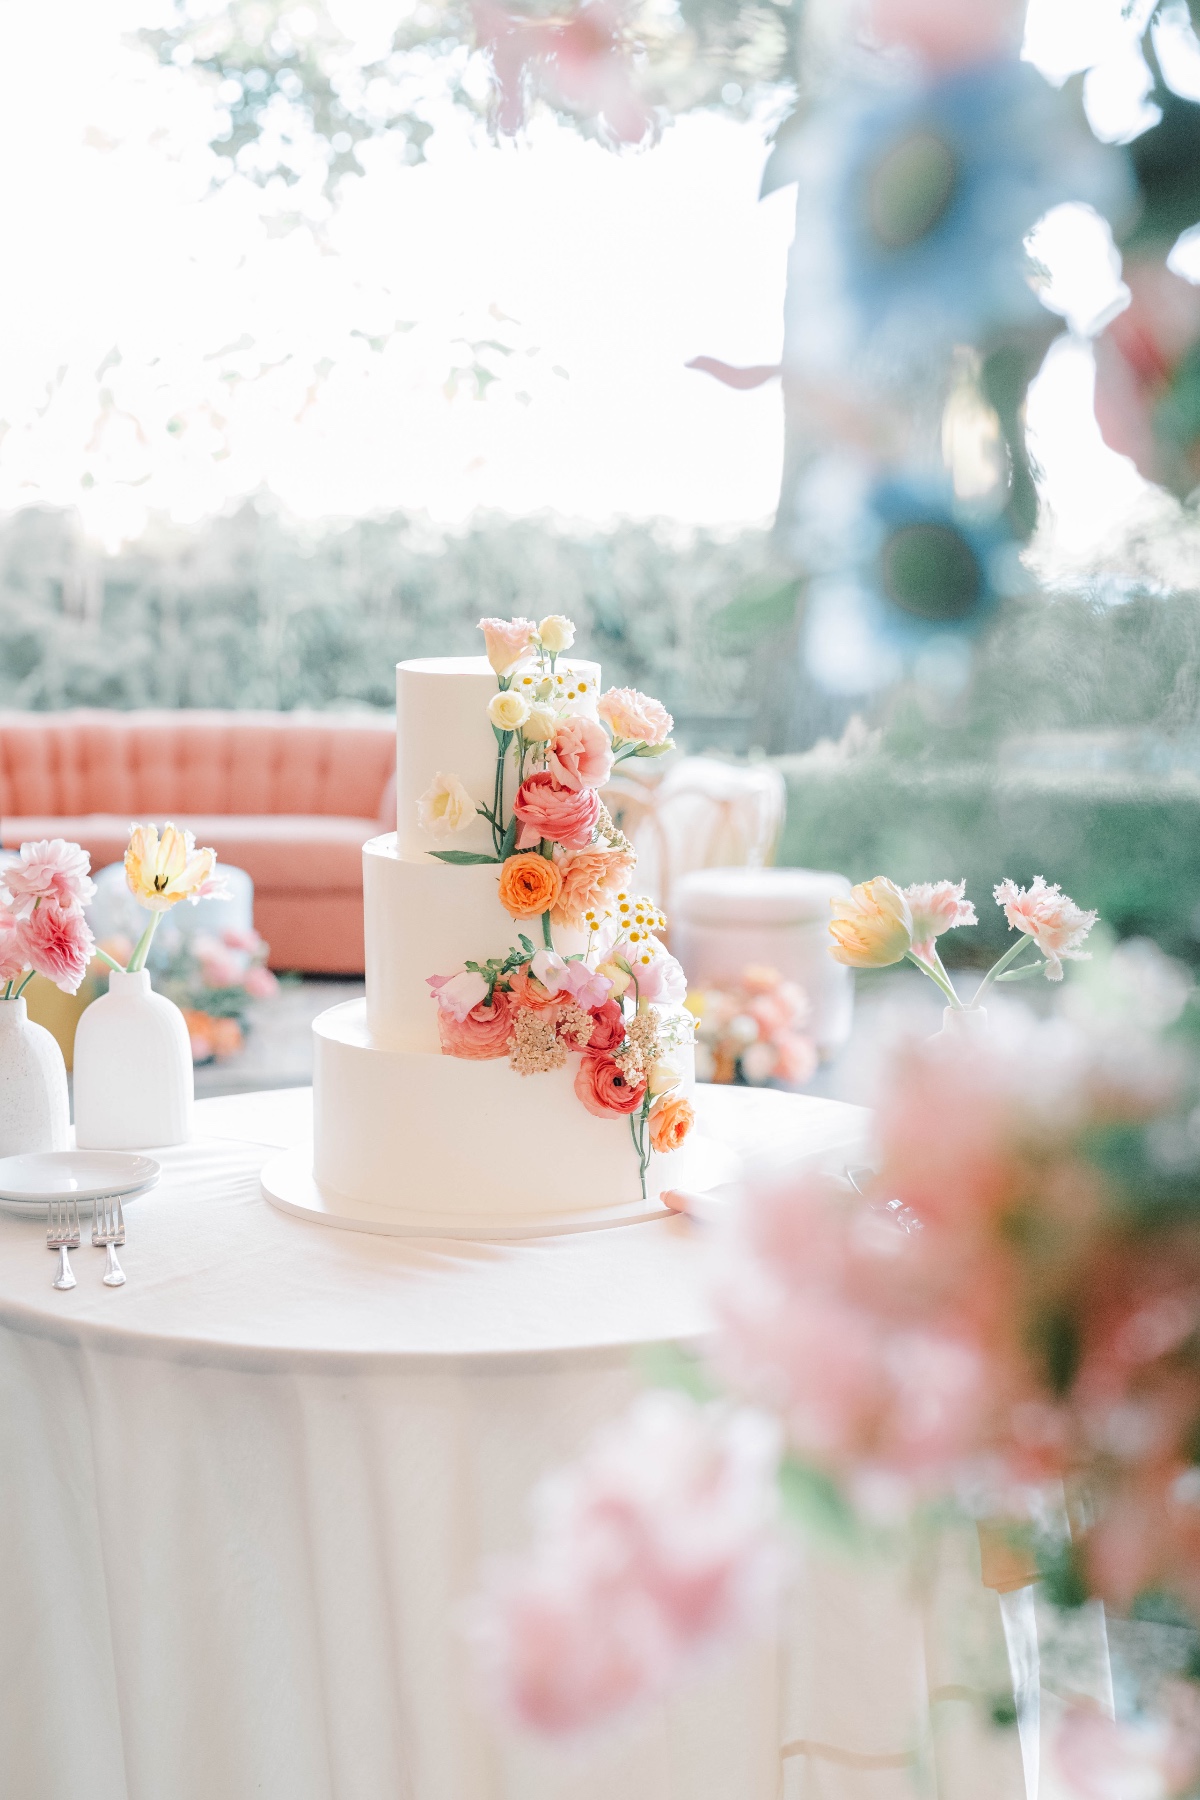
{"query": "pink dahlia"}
pixel 50 869
pixel 1050 917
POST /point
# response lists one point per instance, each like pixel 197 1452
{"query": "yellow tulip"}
pixel 163 871
pixel 872 927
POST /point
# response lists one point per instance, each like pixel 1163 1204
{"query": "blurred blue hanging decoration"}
pixel 910 291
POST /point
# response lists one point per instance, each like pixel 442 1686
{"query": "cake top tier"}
pixel 443 730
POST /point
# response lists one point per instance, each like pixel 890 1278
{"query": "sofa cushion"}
pixel 281 853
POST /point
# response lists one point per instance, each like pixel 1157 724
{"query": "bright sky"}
pixel 168 349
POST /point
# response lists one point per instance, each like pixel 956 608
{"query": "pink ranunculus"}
pixel 661 979
pixel 548 810
pixel 604 1087
pixel 50 869
pixel 259 982
pixel 458 994
pixel 580 755
pixel 58 943
pixel 506 641
pixel 13 960
pixel 655 1551
pixel 634 717
pixel 1047 915
pixel 482 1034
pixel 936 906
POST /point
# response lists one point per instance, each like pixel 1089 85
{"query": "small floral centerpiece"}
pixel 754 1033
pixel 211 977
pixel 562 862
pixel 43 930
pixel 879 924
pixel 162 871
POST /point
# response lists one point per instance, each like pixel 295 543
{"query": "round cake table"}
pixel 242 1498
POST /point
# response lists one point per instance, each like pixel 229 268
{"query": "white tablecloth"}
pixel 242 1497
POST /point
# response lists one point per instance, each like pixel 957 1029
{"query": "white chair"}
pixel 700 814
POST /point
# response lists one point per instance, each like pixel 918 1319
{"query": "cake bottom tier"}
pixel 471 1141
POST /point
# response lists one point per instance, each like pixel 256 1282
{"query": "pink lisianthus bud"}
pixel 580 755
pixel 936 906
pixel 658 1548
pixel 1047 915
pixel 506 641
pixel 50 869
pixel 58 944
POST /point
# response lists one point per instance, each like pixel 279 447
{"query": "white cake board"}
pixel 288 1183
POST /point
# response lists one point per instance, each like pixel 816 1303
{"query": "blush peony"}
pixel 482 1034
pixel 580 756
pixel 50 869
pixel 634 718
pixel 603 1086
pixel 58 944
pixel 529 884
pixel 546 809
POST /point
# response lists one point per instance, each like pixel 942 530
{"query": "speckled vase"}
pixel 134 1088
pixel 35 1113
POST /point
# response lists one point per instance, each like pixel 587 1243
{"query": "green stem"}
pixel 941 980
pixel 142 950
pixel 546 931
pixel 111 961
pixel 998 968
pixel 24 985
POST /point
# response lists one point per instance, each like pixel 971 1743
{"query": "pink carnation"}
pixel 657 1549
pixel 13 960
pixel 58 944
pixel 936 906
pixel 634 717
pixel 50 869
pixel 1047 915
pixel 506 641
pixel 580 756
pixel 547 810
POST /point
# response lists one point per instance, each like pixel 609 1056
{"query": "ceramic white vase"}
pixel 35 1113
pixel 134 1088
pixel 960 1022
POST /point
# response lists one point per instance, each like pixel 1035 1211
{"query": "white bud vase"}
pixel 960 1022
pixel 35 1113
pixel 134 1088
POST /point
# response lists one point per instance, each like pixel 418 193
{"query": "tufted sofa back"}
pixel 159 763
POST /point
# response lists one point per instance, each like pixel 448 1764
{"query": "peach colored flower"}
pixel 634 717
pixel 506 641
pixel 1047 915
pixel 50 869
pixel 936 906
pixel 529 884
pixel 671 1118
pixel 871 926
pixel 591 880
pixel 580 755
pixel 525 990
pixel 482 1035
pixel 163 871
pixel 655 1549
pixel 548 810
pixel 604 1087
pixel 58 944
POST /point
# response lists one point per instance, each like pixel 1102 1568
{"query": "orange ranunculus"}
pixel 529 883
pixel 671 1118
pixel 872 927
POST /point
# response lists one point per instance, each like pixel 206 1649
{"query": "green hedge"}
pixel 1130 848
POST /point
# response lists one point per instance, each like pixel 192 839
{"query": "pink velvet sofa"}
pixel 289 797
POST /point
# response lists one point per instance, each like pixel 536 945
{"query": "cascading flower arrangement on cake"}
pixel 563 863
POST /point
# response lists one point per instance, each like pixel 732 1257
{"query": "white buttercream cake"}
pixel 506 1064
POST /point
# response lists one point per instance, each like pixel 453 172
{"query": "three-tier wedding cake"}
pixel 522 1059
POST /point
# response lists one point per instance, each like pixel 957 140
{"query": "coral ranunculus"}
pixel 872 927
pixel 482 1035
pixel 604 1087
pixel 635 718
pixel 608 1029
pixel 546 809
pixel 580 756
pixel 591 880
pixel 671 1118
pixel 529 884
pixel 58 943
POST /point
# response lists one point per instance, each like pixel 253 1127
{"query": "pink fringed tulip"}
pixel 656 1548
pixel 936 906
pixel 1047 915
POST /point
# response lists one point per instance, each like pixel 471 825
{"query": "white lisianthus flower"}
pixel 508 711
pixel 661 1078
pixel 557 634
pixel 541 724
pixel 445 807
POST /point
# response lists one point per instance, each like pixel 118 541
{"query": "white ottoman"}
pixel 724 919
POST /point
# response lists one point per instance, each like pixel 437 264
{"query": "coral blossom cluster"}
pixel 753 1031
pixel 42 925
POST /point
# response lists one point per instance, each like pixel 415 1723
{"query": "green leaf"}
pixel 1022 974
pixel 509 839
pixel 670 1366
pixel 655 749
pixel 462 857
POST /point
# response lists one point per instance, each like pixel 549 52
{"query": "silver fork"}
pixel 108 1230
pixel 62 1234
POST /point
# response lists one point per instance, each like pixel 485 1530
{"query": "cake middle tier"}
pixel 429 918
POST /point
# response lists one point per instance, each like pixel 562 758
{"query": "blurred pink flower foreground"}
pixel 657 1547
